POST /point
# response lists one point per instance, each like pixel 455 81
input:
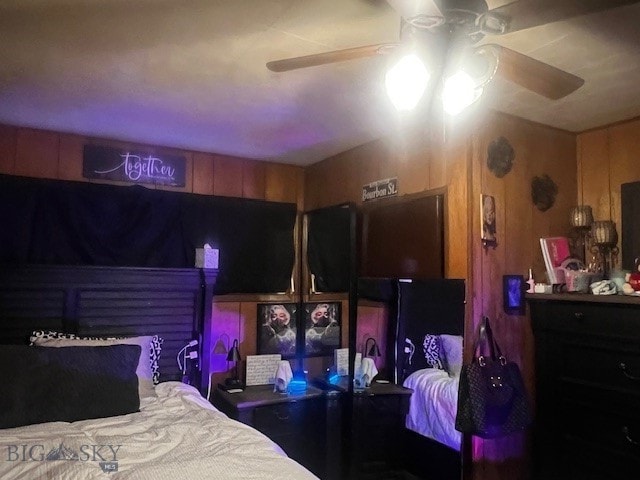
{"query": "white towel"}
pixel 366 372
pixel 282 377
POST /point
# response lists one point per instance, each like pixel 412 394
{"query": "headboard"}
pixel 426 307
pixel 110 301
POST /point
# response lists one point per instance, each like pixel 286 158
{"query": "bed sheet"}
pixel 433 406
pixel 178 435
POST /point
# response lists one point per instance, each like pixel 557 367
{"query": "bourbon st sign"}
pixel 380 189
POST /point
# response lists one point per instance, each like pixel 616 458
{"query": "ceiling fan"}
pixel 448 30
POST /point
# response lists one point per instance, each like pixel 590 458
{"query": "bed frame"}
pixel 112 301
pixel 439 307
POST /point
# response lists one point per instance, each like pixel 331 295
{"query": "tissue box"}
pixel 206 258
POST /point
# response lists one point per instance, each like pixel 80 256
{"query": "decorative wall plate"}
pixel 543 192
pixel 500 156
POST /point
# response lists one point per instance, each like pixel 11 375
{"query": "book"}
pixel 554 251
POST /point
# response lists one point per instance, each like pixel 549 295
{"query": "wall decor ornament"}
pixel 488 220
pixel 543 192
pixel 500 156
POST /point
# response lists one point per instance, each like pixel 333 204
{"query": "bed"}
pixel 428 359
pixel 171 432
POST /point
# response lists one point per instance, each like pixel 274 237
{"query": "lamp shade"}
pixel 581 216
pixel 372 351
pixel 220 348
pixel 234 352
pixel 604 232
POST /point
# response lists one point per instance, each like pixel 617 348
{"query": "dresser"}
pixel 587 369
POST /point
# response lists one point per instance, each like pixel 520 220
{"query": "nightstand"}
pixel 297 423
pixel 378 425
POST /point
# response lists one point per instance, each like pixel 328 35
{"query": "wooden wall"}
pixel 420 161
pixel 539 150
pixel 45 154
pixel 607 158
pixel 455 159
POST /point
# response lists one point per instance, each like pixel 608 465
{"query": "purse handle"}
pixel 485 335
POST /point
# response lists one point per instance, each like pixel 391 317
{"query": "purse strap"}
pixel 485 336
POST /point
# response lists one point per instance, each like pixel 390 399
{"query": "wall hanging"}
pixel 277 329
pixel 543 192
pixel 500 156
pixel 488 220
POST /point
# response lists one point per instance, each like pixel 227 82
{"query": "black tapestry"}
pixel 75 223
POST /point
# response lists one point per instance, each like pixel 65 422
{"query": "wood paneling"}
pixel 8 140
pixel 253 179
pixel 203 173
pixel 37 153
pixel 607 158
pixel 227 177
pixel 70 158
pixel 539 150
pixel 284 183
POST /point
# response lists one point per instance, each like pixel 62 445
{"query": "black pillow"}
pixel 40 384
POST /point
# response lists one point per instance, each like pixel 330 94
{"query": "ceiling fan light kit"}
pixel 453 27
pixel 459 92
pixel 406 82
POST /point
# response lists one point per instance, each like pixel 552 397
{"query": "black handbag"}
pixel 492 401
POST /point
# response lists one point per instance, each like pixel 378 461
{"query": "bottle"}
pixel 531 282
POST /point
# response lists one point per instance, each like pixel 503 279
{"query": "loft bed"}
pixel 418 308
pixel 170 432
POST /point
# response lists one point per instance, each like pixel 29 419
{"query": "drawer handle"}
pixel 625 432
pixel 623 367
pixel 281 417
pixel 579 316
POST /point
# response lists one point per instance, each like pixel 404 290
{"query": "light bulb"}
pixel 459 92
pixel 406 82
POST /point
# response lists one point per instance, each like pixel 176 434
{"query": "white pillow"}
pixel 452 347
pixel 143 371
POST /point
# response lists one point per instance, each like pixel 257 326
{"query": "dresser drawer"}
pixel 381 409
pixel 607 364
pixel 279 419
pixel 614 321
pixel 610 430
pixel 580 460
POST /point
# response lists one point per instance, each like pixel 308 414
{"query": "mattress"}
pixel 178 435
pixel 433 407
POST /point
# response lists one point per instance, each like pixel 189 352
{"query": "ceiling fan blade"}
pixel 334 56
pixel 531 13
pixel 539 77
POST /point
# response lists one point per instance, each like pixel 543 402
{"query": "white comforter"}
pixel 434 404
pixel 178 435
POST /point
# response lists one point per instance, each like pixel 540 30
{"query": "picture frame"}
pixel 277 329
pixel 513 290
pixel 488 220
pixel 322 328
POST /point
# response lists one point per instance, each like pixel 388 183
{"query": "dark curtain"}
pixel 329 247
pixel 76 223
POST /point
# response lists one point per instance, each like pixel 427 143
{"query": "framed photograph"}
pixel 513 289
pixel 488 219
pixel 321 328
pixel 277 329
